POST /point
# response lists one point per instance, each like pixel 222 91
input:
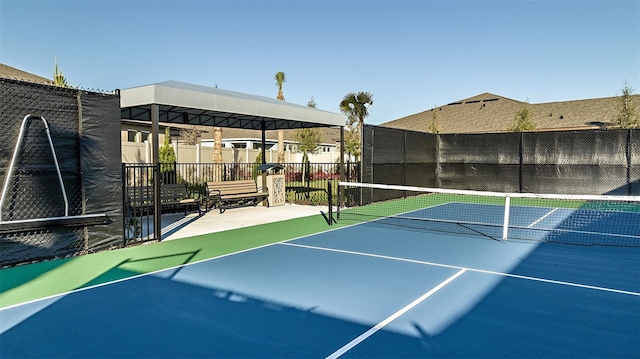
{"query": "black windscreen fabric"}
pixel 481 177
pixel 575 162
pixel 480 148
pixel 574 179
pixel 634 147
pixel 366 156
pixel 575 147
pixel 33 189
pixel 388 145
pixel 420 147
pixel 634 161
pixel 480 161
pixel 389 173
pixel 101 162
pixel 571 162
pixel 420 174
pixel 402 157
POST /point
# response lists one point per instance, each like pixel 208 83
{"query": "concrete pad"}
pixel 214 221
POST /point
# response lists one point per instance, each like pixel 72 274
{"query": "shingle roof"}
pixel 492 113
pixel 12 73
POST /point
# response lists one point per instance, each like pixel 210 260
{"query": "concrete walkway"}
pixel 178 226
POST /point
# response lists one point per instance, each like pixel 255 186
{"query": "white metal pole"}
pixel 505 226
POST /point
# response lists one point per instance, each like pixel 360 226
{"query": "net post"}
pixel 330 200
pixel 505 225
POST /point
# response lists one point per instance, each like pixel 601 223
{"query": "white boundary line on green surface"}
pixel 169 268
pixel 393 316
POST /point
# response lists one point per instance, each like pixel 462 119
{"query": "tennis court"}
pixel 366 289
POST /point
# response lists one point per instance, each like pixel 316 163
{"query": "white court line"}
pixel 148 274
pixel 393 317
pixel 541 218
pixel 534 279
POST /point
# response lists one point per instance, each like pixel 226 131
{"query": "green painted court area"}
pixel 38 280
pixel 461 214
pixel 423 276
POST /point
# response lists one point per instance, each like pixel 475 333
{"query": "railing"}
pixel 304 184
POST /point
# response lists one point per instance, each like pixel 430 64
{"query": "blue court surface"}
pixel 362 291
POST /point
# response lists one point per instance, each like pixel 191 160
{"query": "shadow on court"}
pixel 520 319
pixel 154 317
pixel 125 269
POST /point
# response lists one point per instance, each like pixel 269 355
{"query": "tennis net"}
pixel 571 219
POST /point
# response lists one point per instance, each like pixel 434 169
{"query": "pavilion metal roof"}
pixel 185 103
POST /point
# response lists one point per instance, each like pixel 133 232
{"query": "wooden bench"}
pixel 229 194
pixel 140 199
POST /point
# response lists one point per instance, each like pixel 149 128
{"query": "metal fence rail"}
pixel 304 184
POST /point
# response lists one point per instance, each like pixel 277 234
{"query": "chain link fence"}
pixel 56 162
pixel 562 162
pixel 304 184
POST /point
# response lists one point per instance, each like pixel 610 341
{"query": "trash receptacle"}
pixel 273 178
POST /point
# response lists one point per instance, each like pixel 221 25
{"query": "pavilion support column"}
pixel 341 189
pixel 263 175
pixel 264 142
pixel 155 129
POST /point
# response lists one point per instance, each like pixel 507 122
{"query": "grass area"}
pixel 313 192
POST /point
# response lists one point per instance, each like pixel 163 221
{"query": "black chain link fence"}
pixel 304 184
pixel 563 162
pixel 55 163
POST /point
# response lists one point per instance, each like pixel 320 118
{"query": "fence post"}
pixel 521 160
pixel 629 162
pixel 438 165
pixel 125 215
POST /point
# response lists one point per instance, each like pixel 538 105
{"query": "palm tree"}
pixel 356 107
pixel 280 79
pixel 58 78
pixel 217 154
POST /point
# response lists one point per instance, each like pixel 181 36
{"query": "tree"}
pixel 356 107
pixel 627 115
pixel 166 152
pixel 191 135
pixel 255 172
pixel 280 79
pixel 58 78
pixel 434 127
pixel 523 120
pixel 312 103
pixel 167 158
pixel 308 140
pixel 352 137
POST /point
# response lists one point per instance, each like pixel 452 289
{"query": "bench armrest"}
pixel 213 192
pixel 265 188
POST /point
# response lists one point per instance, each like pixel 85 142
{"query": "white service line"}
pixel 543 217
pixel 393 317
pixel 442 265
